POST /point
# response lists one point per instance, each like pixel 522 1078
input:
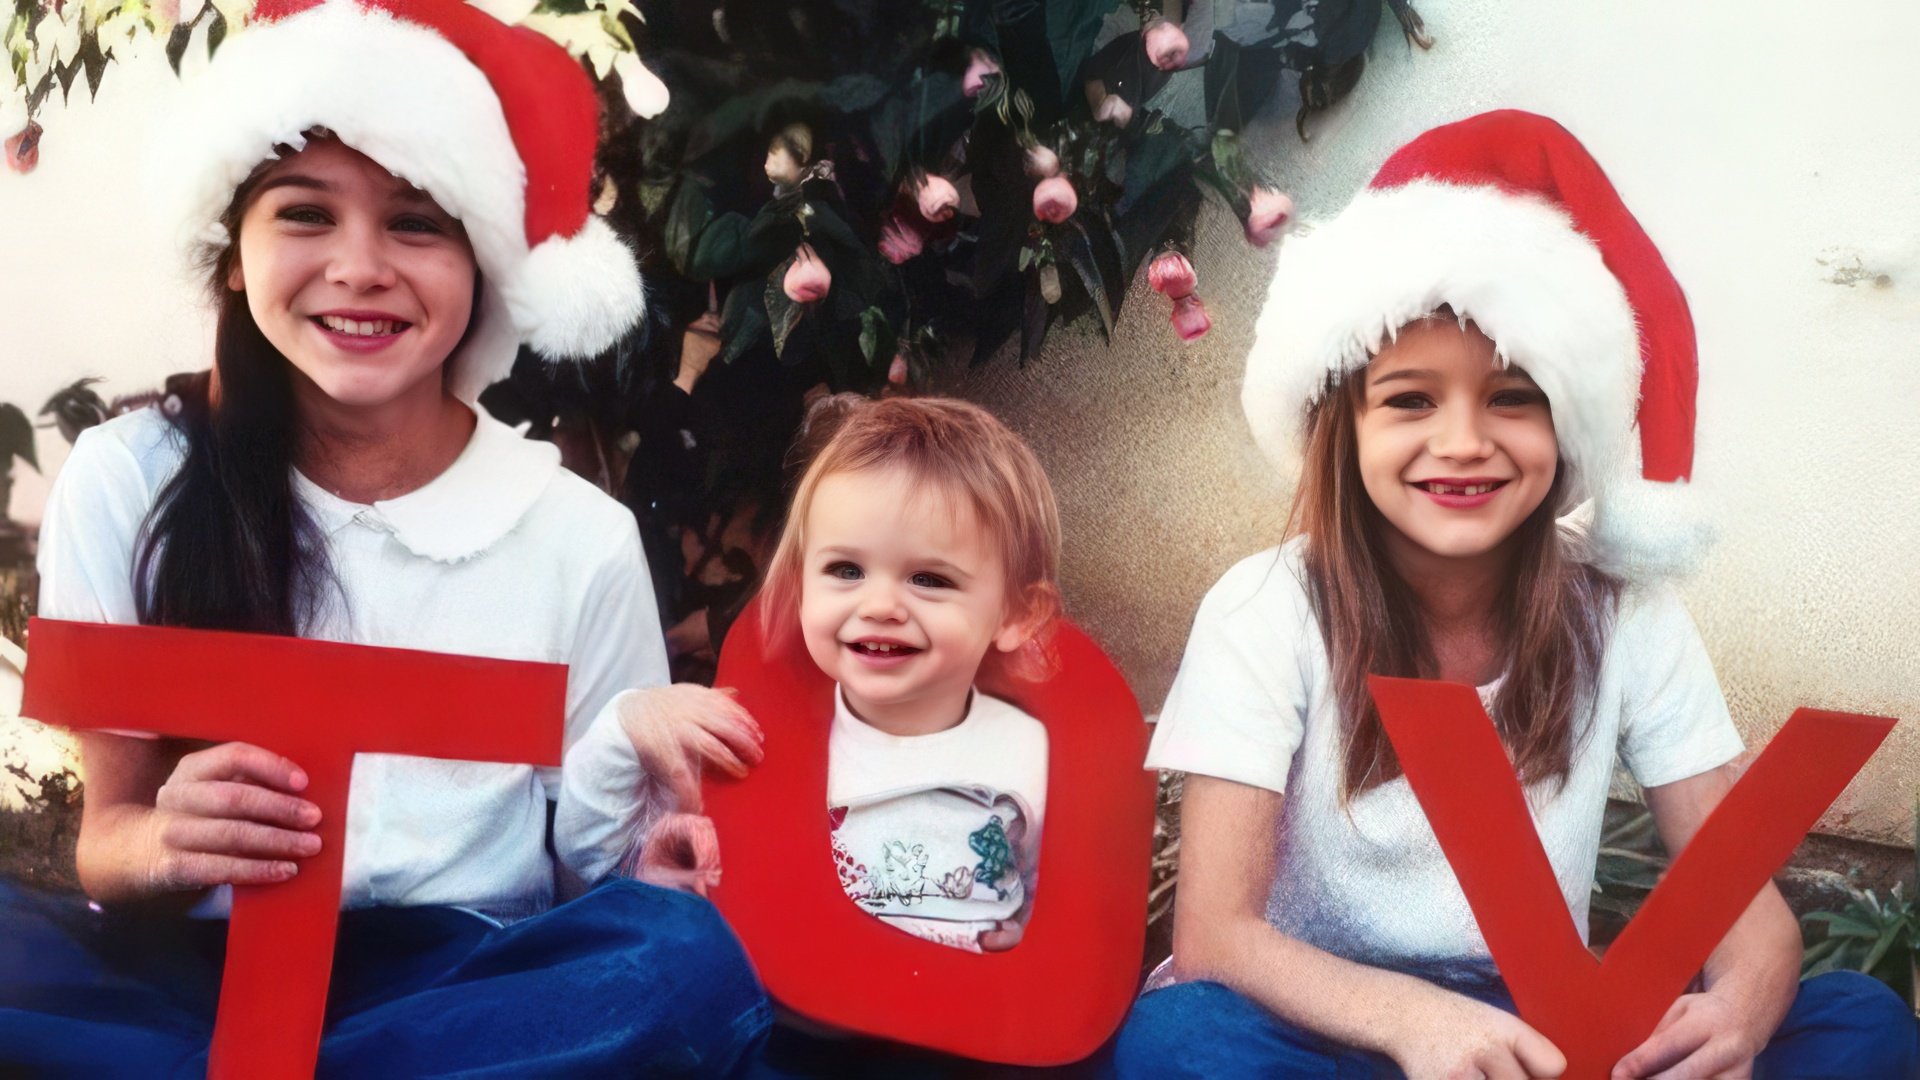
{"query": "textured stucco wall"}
pixel 1774 163
pixel 1772 158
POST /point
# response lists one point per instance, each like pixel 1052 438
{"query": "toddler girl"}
pixel 921 545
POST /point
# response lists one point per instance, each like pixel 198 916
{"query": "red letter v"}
pixel 1596 1012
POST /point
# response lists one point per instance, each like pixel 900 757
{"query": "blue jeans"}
pixel 1843 1026
pixel 627 980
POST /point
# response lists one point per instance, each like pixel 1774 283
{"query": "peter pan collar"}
pixel 465 510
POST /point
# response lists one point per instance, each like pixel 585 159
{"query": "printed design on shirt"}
pixel 946 854
pixel 851 870
pixel 996 856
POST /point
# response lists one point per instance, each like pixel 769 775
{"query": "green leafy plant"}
pixel 1878 937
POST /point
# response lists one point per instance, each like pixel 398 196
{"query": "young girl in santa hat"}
pixel 1464 355
pixel 391 199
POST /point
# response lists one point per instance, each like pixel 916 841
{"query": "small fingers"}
pixel 181 870
pixel 1500 1065
pixel 744 741
pixel 1665 1048
pixel 1537 1055
pixel 231 799
pixel 242 762
pixel 711 749
pixel 228 836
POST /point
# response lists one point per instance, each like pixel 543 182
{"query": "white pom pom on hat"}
pixel 497 123
pixel 1507 220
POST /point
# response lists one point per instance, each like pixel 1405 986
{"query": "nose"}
pixel 1460 433
pixel 359 259
pixel 880 602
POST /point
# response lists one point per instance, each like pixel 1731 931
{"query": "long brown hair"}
pixel 1554 611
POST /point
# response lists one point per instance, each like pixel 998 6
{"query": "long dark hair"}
pixel 228 545
pixel 1554 611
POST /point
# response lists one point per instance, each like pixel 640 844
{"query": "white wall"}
pixel 87 286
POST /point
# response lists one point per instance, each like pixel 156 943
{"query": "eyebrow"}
pixel 406 193
pixel 1509 372
pixel 299 180
pixel 1405 373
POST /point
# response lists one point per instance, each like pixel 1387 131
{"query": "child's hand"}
pixel 682 851
pixel 229 815
pixel 1002 937
pixel 676 728
pixel 1449 1034
pixel 1701 1035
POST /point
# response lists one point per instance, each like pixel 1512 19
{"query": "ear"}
pixel 1036 609
pixel 236 279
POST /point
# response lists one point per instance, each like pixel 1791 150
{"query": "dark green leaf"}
pixel 1072 28
pixel 686 219
pixel 743 319
pixel 93 61
pixel 721 249
pixel 853 93
pixel 782 313
pixel 1038 315
pixel 16 437
pixel 177 40
pixel 1080 256
pixel 216 32
pixel 877 340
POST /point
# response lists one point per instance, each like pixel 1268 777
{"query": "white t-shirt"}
pixel 504 555
pixel 1253 702
pixel 938 834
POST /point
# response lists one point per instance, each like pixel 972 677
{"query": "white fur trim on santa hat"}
pixel 1644 530
pixel 578 293
pixel 1512 264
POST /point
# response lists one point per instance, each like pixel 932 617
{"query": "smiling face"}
pixel 358 278
pixel 1454 450
pixel 901 595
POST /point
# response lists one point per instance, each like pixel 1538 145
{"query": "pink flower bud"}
pixel 1268 217
pixel 899 241
pixel 1190 318
pixel 979 67
pixel 807 277
pixel 1042 163
pixel 1172 274
pixel 1166 45
pixel 1114 110
pixel 897 371
pixel 1054 200
pixel 938 198
pixel 23 148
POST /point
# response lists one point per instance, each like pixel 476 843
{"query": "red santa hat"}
pixel 497 123
pixel 1507 220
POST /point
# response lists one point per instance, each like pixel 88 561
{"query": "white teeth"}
pixel 1469 489
pixel 359 329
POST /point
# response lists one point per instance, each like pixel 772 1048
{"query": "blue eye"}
pixel 925 580
pixel 845 571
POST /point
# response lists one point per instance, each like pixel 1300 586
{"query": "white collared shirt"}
pixel 504 555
